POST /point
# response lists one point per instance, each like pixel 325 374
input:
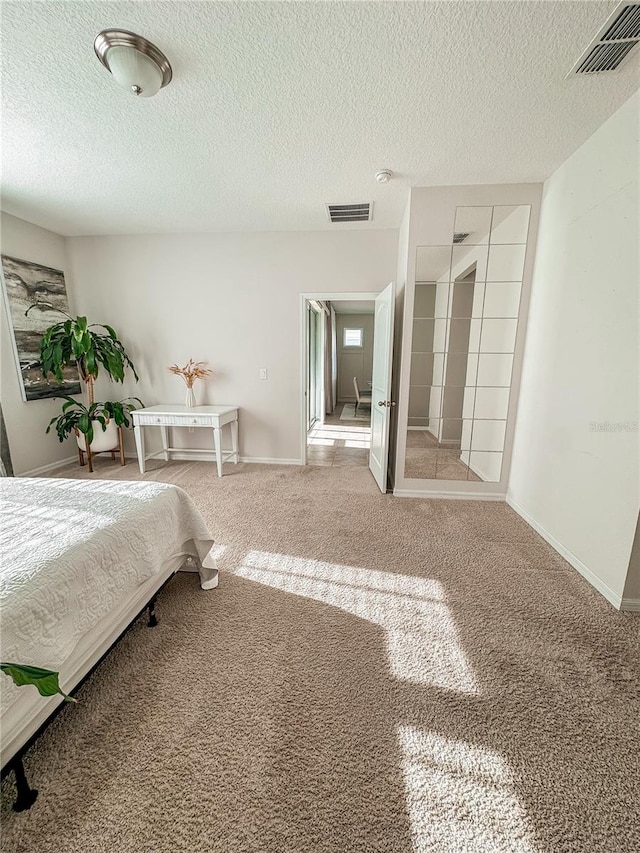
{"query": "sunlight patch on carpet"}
pixel 218 550
pixel 421 637
pixel 460 796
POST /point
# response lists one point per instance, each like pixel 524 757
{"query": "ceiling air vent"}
pixel 615 41
pixel 626 24
pixel 350 212
pixel 460 236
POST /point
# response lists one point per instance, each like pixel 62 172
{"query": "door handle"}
pixel 386 403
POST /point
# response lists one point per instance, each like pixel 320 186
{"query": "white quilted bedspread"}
pixel 71 550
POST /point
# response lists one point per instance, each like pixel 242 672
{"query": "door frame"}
pixel 305 298
pixel 314 311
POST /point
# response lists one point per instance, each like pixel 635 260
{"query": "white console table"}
pixel 169 416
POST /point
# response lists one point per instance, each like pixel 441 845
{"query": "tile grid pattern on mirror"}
pixel 466 306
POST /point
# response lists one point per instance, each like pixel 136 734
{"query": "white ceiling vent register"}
pixel 362 212
pixel 615 41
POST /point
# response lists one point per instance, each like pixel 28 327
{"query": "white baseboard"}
pixel 44 469
pixel 205 456
pixel 260 460
pixel 612 597
pixel 454 496
pixel 632 605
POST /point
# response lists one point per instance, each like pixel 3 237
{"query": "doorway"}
pixel 338 347
pixel 337 436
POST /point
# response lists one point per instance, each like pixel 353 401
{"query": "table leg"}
pixel 218 445
pixel 165 442
pixel 138 431
pixel 234 440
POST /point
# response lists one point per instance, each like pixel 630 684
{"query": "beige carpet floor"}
pixel 373 674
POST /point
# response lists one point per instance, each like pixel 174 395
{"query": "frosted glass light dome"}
pixel 134 71
pixel 135 63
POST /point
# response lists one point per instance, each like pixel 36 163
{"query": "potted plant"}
pixel 91 348
pixel 80 419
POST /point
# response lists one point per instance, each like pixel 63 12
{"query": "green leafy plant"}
pixel 89 347
pixel 45 680
pixel 76 417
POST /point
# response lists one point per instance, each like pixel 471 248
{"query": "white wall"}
pixel 232 300
pixel 26 422
pixel 575 472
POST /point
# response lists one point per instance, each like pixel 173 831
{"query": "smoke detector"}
pixel 384 176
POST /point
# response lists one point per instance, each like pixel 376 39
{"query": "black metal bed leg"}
pixel 26 795
pixel 153 621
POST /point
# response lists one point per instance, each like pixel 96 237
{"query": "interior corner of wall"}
pixel 632 581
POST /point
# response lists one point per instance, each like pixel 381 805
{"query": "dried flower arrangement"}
pixel 191 371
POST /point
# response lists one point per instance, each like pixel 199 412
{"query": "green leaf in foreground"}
pixel 45 680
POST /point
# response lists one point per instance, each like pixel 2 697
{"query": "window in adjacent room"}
pixel 352 337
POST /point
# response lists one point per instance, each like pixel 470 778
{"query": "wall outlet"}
pixel 264 374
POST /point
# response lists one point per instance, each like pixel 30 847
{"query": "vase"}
pixel 191 398
pixel 102 439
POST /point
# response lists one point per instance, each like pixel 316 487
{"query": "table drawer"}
pixel 173 420
pixel 193 420
pixel 152 420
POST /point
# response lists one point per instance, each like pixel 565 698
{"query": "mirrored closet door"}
pixel 463 337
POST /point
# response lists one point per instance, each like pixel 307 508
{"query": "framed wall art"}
pixel 27 285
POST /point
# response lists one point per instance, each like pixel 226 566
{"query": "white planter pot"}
pixel 107 440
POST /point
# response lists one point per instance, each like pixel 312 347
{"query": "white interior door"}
pixel 381 385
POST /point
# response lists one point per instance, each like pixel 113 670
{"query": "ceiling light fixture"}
pixel 135 63
pixel 384 176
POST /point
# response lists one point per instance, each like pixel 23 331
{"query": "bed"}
pixel 80 560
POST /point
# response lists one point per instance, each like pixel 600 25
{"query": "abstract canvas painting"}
pixel 26 284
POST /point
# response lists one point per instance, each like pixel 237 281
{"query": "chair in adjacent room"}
pixel 361 399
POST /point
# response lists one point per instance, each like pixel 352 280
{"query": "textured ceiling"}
pixel 276 108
